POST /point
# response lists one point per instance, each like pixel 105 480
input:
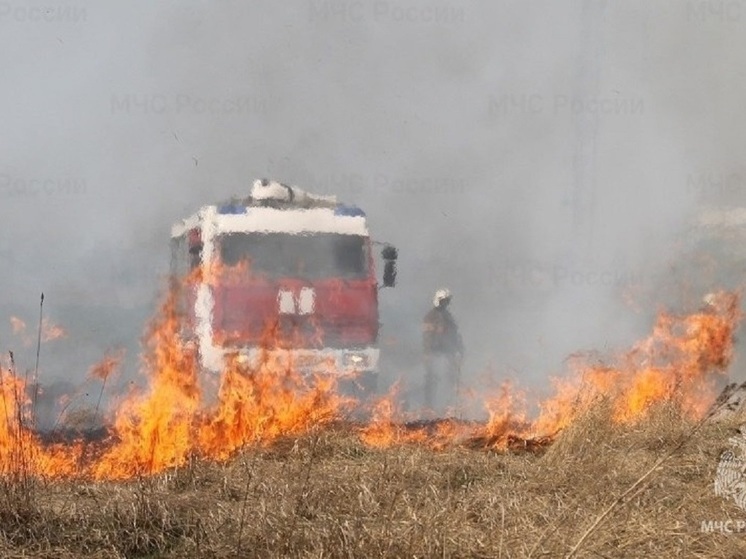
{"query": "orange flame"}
pixel 256 403
pixel 49 331
pixel 390 426
pixel 154 431
pixel 18 325
pixel 386 426
pixel 21 452
pixel 507 416
pixel 107 366
pixel 679 363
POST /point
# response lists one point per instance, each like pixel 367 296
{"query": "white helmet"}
pixel 441 295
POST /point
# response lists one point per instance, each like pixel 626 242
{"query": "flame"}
pixel 107 366
pixel 217 272
pixel 386 427
pixel 18 325
pixel 154 430
pixel 507 416
pixel 49 331
pixel 390 426
pixel 678 363
pixel 14 407
pixel 19 329
pixel 21 452
pixel 262 403
pixel 255 403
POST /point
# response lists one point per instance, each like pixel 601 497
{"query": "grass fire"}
pixel 277 462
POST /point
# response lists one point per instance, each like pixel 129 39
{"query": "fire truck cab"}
pixel 285 262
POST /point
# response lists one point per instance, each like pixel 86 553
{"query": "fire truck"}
pixel 283 273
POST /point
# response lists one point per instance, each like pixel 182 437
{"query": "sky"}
pixel 541 159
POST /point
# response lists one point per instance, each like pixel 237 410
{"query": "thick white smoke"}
pixel 540 159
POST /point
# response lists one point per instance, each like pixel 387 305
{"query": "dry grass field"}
pixel 324 494
pixel 620 462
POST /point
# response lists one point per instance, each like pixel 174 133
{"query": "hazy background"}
pixel 539 158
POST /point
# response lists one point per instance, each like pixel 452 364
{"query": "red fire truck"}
pixel 284 261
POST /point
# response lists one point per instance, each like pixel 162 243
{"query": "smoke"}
pixel 540 159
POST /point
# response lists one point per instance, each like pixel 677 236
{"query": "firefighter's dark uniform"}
pixel 441 342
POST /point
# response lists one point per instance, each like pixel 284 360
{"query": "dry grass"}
pixel 327 495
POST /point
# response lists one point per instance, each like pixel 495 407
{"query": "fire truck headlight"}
pixel 356 361
pixel 242 359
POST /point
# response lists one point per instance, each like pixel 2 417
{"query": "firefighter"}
pixel 443 352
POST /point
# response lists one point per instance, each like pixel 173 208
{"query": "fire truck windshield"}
pixel 314 256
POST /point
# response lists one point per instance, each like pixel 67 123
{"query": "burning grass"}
pixel 617 463
pixel 325 493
